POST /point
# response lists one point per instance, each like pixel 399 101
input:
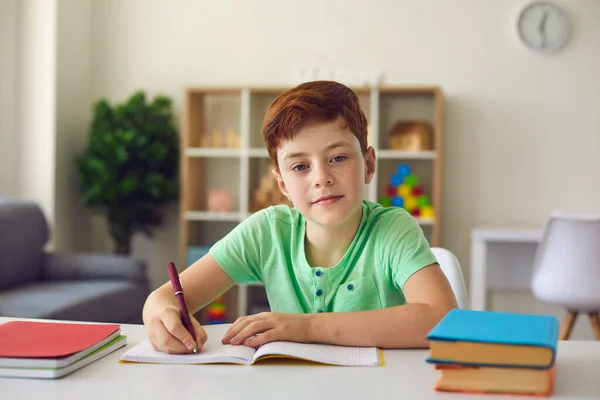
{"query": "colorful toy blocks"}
pixel 404 190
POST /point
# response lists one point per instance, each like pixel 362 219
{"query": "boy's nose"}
pixel 326 183
pixel 323 178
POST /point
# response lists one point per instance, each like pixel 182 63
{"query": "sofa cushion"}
pixel 23 234
pixel 101 301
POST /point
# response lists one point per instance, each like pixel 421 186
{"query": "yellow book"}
pixel 499 380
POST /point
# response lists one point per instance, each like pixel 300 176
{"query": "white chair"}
pixel 451 267
pixel 566 268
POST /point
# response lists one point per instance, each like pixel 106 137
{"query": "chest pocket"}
pixel 359 294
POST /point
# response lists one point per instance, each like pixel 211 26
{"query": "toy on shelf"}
pixel 232 139
pixel 411 136
pixel 216 312
pixel 219 200
pixel 217 139
pixel 405 191
pixel 267 193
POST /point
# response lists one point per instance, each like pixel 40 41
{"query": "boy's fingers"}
pixel 238 321
pixel 236 328
pixel 200 334
pixel 172 323
pixel 164 341
pixel 152 340
pixel 259 339
pixel 250 330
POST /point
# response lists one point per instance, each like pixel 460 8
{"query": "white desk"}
pixel 405 376
pixel 501 259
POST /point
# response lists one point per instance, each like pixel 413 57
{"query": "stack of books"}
pixel 32 349
pixel 494 352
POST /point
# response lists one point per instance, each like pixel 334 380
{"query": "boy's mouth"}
pixel 325 200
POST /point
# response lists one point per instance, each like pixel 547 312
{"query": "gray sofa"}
pixel 78 287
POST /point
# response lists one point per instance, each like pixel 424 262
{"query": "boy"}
pixel 336 269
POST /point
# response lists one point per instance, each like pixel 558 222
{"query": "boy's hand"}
pixel 166 333
pixel 269 327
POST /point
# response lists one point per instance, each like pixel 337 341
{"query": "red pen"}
pixel 185 316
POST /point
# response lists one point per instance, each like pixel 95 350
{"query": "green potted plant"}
pixel 129 170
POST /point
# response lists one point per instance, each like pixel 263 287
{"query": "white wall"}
pixel 45 77
pixel 73 223
pixel 9 17
pixel 36 114
pixel 522 130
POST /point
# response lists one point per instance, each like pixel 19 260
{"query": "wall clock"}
pixel 544 27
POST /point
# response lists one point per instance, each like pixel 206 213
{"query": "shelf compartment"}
pixel 260 100
pixel 207 233
pixel 208 174
pixel 405 106
pixel 201 235
pixel 213 119
pixel 229 302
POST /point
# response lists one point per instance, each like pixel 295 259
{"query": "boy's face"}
pixel 322 171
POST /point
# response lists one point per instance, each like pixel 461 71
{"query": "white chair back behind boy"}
pixel 451 267
pixel 566 268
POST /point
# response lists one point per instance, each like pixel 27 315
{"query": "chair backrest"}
pixel 566 268
pixel 451 267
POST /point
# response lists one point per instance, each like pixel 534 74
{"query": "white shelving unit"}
pixel 239 170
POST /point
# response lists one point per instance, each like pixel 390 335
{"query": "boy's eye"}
pixel 300 167
pixel 339 158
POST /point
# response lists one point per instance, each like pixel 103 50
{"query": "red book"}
pixel 24 339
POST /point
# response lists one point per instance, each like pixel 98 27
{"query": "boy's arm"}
pixel 429 297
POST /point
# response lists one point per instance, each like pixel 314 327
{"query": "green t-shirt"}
pixel 389 246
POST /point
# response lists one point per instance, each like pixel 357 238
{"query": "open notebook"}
pixel 214 352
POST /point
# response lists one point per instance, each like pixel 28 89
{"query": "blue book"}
pixel 493 338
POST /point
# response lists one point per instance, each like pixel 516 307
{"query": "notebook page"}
pixel 323 353
pixel 212 352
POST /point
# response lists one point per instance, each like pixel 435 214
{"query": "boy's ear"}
pixel 370 163
pixel 280 182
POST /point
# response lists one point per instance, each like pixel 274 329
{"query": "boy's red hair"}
pixel 308 103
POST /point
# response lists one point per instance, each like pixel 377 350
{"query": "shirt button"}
pixel 350 287
pixel 319 292
pixel 319 273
